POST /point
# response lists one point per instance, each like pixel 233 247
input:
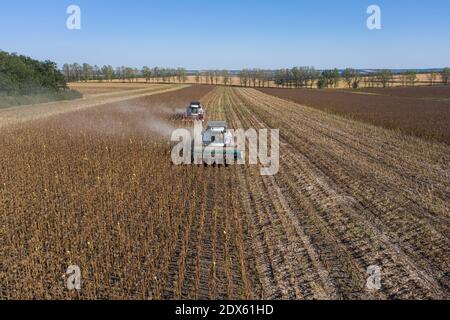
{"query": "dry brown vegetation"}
pixel 403 109
pixel 106 87
pixel 20 114
pixel 96 188
pixel 435 92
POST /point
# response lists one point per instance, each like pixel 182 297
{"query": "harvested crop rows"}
pixel 361 203
pixel 96 188
pixel 106 87
pixel 431 92
pixel 21 114
pixel 409 110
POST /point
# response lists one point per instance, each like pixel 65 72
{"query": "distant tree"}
pixel 288 78
pixel 373 80
pixel 303 76
pixel 214 77
pixel 445 75
pixel 156 72
pixel 165 76
pixel 411 77
pixel 129 74
pixel 312 77
pixel 365 81
pixel 97 73
pixel 280 79
pixel 432 77
pixel 321 82
pixel 336 77
pixel 120 73
pixel 197 77
pixel 258 75
pixel 329 78
pixel 349 76
pixel 403 78
pixel 385 77
pixel 78 71
pixel 108 73
pixel 181 75
pixel 67 72
pixel 146 73
pixel 295 77
pixel 87 72
pixel 244 77
pixel 263 77
pixel 253 77
pixel 225 77
pixel 357 79
pixel 23 75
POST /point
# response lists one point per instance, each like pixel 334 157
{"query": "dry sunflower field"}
pixel 94 186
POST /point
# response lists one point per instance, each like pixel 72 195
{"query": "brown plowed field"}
pixel 434 93
pixel 411 112
pixel 96 188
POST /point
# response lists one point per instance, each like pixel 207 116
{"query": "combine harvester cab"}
pixel 195 112
pixel 217 146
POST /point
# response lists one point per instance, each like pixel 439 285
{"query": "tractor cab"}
pixel 195 111
pixel 217 145
pixel 215 133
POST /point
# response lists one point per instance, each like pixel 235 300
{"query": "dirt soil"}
pixel 96 188
pixel 89 88
pixel 392 108
pixel 14 115
pixel 429 92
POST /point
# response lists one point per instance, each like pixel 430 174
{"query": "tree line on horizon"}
pixel 23 75
pixel 85 72
pixel 296 77
pixel 309 77
pixel 24 80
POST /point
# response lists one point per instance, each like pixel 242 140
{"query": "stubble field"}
pixel 96 188
pixel 421 111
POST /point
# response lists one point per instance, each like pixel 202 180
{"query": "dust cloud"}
pixel 124 119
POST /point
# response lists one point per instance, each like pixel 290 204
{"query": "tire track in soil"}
pixel 321 273
pixel 297 261
pixel 262 250
pixel 227 275
pixel 184 252
pixel 214 266
pixel 430 174
pixel 23 114
pixel 299 163
pixel 337 205
pixel 408 227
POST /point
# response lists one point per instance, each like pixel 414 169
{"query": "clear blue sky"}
pixel 202 34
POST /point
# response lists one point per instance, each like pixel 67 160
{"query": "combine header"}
pixel 217 145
